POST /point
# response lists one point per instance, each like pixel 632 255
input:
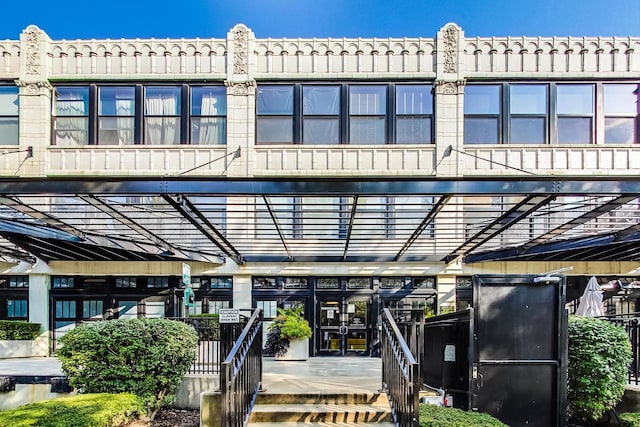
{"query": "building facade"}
pixel 339 175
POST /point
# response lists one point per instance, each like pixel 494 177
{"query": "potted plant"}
pixel 288 335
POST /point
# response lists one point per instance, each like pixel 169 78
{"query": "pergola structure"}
pixel 324 219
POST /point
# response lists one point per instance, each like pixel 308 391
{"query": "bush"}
pixel 630 419
pixel 86 410
pixel 147 357
pixel 436 416
pixel 207 326
pixel 18 330
pixel 599 357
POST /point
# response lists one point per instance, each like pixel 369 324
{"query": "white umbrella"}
pixel 591 300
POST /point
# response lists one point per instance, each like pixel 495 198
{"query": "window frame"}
pixel 635 118
pixel 140 135
pixel 344 117
pixel 15 116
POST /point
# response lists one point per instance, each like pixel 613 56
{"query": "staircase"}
pixel 321 409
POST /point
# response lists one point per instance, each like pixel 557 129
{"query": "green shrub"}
pixel 436 416
pixel 147 357
pixel 288 325
pixel 207 325
pixel 18 330
pixel 630 419
pixel 85 410
pixel 599 357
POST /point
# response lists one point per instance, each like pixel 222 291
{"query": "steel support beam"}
pixel 276 223
pixel 352 215
pixel 431 215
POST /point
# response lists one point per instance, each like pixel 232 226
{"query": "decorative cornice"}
pixel 241 88
pixel 448 87
pixel 240 49
pixel 451 49
pixel 34 88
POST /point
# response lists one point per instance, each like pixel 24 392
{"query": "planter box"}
pixel 298 350
pixel 10 349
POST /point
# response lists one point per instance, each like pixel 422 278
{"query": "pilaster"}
pixel 241 100
pixel 35 100
pixel 39 305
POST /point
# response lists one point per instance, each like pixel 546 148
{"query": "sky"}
pixel 100 19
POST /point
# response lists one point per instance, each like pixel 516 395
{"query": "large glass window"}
pixel 414 114
pixel 162 115
pixel 116 111
pixel 71 116
pixel 17 308
pixel 321 114
pixel 92 309
pixel 9 115
pixel 575 113
pixel 482 106
pixel 621 112
pixel 367 114
pixel 208 115
pixel 275 115
pixel 528 114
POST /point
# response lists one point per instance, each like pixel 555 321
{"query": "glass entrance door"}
pixel 343 326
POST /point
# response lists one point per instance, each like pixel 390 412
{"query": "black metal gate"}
pixel 510 350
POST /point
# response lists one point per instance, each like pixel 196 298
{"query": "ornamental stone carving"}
pixel 243 88
pixel 449 88
pixel 451 49
pixel 240 45
pixel 34 88
pixel 32 61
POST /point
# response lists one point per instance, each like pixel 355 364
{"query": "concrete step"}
pixel 377 399
pixel 319 412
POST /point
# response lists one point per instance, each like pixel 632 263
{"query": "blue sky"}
pixel 72 19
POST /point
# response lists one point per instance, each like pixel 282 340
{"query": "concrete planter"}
pixel 10 349
pixel 298 350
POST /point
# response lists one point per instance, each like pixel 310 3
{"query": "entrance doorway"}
pixel 342 326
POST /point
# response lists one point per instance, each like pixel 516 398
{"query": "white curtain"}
pixel 211 130
pixel 161 130
pixel 125 112
pixel 71 130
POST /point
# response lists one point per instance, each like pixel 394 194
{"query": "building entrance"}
pixel 342 326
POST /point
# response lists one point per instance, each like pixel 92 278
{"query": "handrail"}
pixel 241 374
pixel 400 377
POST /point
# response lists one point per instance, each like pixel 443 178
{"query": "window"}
pixel 214 306
pixel 344 114
pixel 65 309
pixel 575 113
pixel 275 115
pixel 359 283
pixel 424 283
pixel 482 107
pixel 265 283
pixel 92 309
pixel 295 283
pixel 367 114
pixel 116 115
pixel 9 112
pixel 71 116
pixel 221 283
pixel 63 282
pixel 139 114
pixel 17 308
pixel 621 113
pixel 328 283
pixel 269 308
pixel 528 114
pixel 19 281
pixel 392 282
pixel 126 282
pixel 208 115
pixel 162 115
pixel 414 114
pixel 157 282
pixel 321 114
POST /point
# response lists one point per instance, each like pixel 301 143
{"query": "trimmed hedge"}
pixel 147 357
pixel 599 358
pixel 86 410
pixel 18 330
pixel 207 325
pixel 436 416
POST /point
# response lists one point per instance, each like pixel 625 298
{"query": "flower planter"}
pixel 298 350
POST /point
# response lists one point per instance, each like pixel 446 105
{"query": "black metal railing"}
pixel 241 373
pixel 411 324
pixel 209 352
pixel 631 324
pixel 400 377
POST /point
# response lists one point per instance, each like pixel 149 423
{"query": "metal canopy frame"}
pixel 319 219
